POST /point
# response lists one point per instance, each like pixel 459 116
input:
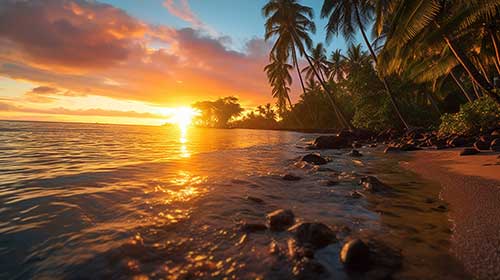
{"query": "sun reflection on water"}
pixel 183 140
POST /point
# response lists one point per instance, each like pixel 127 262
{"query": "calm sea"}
pixel 93 201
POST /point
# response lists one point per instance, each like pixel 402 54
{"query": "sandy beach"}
pixel 471 186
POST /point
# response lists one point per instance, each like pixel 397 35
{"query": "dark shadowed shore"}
pixel 471 186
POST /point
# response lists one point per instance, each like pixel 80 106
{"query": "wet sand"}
pixel 471 186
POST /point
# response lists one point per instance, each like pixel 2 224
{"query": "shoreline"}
pixel 471 187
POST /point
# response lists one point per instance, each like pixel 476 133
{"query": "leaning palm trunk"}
pixel 296 64
pixel 383 79
pixel 494 40
pixel 433 101
pixel 476 90
pixel 473 72
pixel 469 98
pixel 339 113
pixel 481 67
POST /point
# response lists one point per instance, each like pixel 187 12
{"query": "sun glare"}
pixel 182 116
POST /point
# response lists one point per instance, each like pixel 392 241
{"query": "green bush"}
pixel 472 118
pixel 373 117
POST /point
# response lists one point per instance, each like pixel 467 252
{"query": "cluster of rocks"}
pixel 411 140
pixel 343 139
pixel 308 237
pixel 416 139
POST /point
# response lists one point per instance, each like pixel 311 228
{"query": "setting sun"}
pixel 181 116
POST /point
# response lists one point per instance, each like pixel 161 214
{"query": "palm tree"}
pixel 336 71
pixel 291 24
pixel 320 62
pixel 441 24
pixel 278 74
pixel 348 16
pixel 355 59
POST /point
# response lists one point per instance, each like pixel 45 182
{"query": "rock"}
pixel 485 138
pixel 355 153
pixel 495 145
pixel 254 199
pixel 332 183
pixel 252 227
pixel 440 208
pixel 280 220
pixel 296 251
pixel 307 268
pixel 372 184
pixel 389 149
pixel 274 248
pixel 409 147
pixel 387 134
pixel 415 132
pixel 495 134
pixel 481 145
pixel 469 151
pixel 355 254
pixel 315 159
pixel 317 235
pixel 331 142
pixel 291 177
pixel 457 141
pixel 356 145
pixel 356 194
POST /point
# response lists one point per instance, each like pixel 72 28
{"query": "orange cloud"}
pixel 90 48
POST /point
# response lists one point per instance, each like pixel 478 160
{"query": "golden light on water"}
pixel 183 118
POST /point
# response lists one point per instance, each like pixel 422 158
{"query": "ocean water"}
pixel 94 201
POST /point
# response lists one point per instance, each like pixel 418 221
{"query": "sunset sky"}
pixel 131 61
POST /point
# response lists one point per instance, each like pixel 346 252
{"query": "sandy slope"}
pixel 471 186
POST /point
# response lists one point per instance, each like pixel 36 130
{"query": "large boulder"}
pixel 317 235
pixel 314 159
pixel 332 142
pixel 355 255
pixel 280 220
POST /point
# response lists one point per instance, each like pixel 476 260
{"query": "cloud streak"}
pixel 87 112
pixel 183 11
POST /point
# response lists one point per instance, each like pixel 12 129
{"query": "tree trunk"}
pixel 460 86
pixel 469 67
pixel 476 90
pixel 434 104
pixel 483 70
pixel 383 79
pixel 339 113
pixel 494 40
pixel 296 62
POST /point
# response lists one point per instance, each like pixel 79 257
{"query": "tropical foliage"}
pixel 425 58
pixel 423 63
